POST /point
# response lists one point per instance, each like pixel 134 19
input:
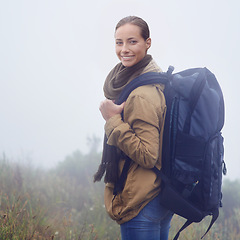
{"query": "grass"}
pixel 37 204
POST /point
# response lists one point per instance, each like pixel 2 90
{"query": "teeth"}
pixel 126 58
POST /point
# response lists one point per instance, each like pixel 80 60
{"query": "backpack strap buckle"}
pixel 170 70
pixel 188 190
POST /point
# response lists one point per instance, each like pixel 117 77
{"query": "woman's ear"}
pixel 148 43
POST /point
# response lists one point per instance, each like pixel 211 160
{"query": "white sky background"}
pixel 55 55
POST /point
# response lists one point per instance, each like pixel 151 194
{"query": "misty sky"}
pixel 55 55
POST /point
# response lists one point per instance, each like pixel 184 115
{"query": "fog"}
pixel 55 55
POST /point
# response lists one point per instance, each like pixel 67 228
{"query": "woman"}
pixel 137 133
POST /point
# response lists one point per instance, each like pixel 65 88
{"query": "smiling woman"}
pixel 135 137
pixel 131 47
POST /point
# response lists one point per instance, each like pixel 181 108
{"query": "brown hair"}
pixel 145 33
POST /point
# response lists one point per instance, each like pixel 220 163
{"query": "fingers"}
pixel 108 108
pixel 122 105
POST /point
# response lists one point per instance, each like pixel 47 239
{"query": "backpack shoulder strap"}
pixel 144 79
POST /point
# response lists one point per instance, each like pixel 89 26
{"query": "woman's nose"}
pixel 125 48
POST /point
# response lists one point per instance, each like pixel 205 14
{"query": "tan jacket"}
pixel 140 137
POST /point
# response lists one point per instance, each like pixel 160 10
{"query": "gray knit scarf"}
pixel 116 80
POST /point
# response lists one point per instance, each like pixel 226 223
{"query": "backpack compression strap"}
pixel 195 93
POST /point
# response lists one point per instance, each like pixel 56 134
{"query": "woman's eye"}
pixel 119 43
pixel 133 41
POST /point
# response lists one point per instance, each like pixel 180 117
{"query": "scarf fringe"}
pixel 100 172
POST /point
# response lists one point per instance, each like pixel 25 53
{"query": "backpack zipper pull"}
pixel 224 168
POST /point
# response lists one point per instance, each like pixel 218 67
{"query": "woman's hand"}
pixel 108 108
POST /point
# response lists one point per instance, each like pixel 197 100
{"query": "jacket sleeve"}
pixel 139 135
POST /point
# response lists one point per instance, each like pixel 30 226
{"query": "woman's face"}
pixel 130 45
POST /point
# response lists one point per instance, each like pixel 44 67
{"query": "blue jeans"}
pixel 152 223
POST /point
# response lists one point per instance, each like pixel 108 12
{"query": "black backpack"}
pixel 192 157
